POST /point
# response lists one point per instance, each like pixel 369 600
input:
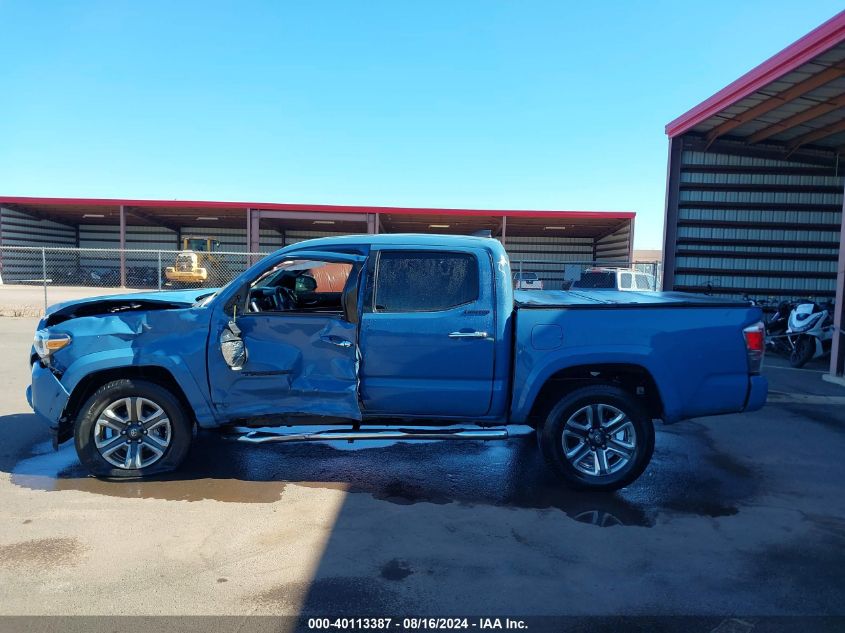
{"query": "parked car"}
pixel 527 281
pixel 427 332
pixel 95 276
pixel 142 277
pixel 614 279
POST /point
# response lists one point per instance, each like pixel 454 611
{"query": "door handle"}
pixel 336 340
pixel 467 334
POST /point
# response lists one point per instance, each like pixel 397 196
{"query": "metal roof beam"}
pixel 809 114
pixel 816 135
pixel 148 217
pixel 777 100
pixel 311 215
pixel 611 231
pixel 38 214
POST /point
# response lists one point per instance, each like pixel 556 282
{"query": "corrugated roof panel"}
pixel 832 56
pixel 830 118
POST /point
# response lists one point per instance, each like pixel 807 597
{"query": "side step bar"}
pixel 449 433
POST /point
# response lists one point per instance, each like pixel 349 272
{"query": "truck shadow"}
pixel 502 473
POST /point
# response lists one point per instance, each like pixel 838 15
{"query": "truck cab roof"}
pixel 399 239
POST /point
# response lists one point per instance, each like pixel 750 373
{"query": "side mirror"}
pixel 232 346
pixel 239 299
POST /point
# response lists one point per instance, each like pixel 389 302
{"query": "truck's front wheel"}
pixel 132 428
pixel 597 437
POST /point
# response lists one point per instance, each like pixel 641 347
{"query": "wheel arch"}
pixel 151 373
pixel 633 378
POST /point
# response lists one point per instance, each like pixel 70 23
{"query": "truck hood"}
pixel 129 302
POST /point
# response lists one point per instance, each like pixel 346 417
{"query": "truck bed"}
pixel 691 346
pixel 618 298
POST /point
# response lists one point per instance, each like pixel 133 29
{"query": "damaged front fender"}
pixel 172 339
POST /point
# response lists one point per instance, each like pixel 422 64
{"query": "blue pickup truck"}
pixel 391 336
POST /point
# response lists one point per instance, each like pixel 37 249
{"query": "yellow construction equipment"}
pixel 197 263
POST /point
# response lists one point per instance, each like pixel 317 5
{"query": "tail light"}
pixel 755 346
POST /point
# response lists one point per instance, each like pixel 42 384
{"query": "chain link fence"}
pixel 55 274
pixel 535 274
pixel 33 278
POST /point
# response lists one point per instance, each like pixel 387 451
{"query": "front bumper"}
pixel 47 397
pixel 758 390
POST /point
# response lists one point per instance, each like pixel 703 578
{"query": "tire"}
pixel 803 352
pixel 143 410
pixel 634 437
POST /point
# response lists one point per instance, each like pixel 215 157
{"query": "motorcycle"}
pixel 777 323
pixel 809 332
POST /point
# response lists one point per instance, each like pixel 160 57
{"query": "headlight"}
pixel 46 343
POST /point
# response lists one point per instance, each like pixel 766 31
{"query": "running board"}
pixel 263 436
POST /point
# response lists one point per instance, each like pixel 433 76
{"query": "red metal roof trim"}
pixel 800 52
pixel 316 208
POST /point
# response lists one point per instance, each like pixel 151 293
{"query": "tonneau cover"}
pixel 612 298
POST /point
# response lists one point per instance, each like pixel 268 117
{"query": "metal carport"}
pixel 755 182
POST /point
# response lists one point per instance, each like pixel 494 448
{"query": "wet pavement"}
pixel 739 515
pixel 500 474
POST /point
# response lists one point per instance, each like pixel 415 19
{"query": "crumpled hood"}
pixel 131 301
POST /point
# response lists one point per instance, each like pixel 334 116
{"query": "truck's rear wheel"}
pixel 598 438
pixel 132 428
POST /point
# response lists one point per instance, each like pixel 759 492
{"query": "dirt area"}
pixel 28 301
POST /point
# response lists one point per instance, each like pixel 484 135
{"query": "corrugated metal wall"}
pixel 615 247
pixel 756 225
pixel 20 229
pixel 546 256
pixel 234 240
pixel 292 237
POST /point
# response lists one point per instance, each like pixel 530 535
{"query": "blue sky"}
pixel 536 105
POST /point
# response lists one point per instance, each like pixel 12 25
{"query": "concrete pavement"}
pixel 740 515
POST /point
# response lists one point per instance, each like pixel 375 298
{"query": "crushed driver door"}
pixel 276 364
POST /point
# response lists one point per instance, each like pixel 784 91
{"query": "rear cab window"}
pixel 424 281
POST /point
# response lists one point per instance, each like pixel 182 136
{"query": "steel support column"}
pixel 670 219
pixel 504 230
pixel 837 355
pixel 254 230
pixel 371 223
pixel 122 246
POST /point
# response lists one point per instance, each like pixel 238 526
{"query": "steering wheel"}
pixel 285 299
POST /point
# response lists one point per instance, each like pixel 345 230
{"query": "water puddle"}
pixel 684 477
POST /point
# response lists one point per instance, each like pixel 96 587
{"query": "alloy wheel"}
pixel 599 439
pixel 132 433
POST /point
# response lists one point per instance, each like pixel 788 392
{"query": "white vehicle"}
pixel 614 279
pixel 527 281
pixel 810 332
